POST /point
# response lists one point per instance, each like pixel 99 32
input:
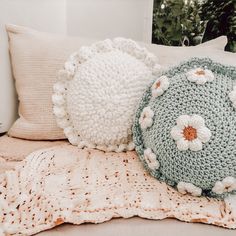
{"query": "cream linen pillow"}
pixel 36 58
pixel 170 55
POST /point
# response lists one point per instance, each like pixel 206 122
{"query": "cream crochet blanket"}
pixel 66 184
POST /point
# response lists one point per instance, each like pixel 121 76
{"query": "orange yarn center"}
pixel 190 133
pixel 59 221
pixel 158 84
pixel 200 72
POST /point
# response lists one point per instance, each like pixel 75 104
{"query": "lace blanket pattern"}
pixel 66 184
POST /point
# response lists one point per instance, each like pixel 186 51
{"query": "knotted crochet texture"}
pixel 207 166
pixel 97 93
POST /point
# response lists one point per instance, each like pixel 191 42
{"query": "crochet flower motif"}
pixel 228 184
pixel 232 96
pixel 190 132
pixel 151 159
pixel 188 188
pixel 145 119
pixel 200 76
pixel 159 86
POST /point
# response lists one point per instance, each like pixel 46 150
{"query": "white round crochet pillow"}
pixel 97 93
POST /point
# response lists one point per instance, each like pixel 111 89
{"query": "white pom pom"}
pixel 70 67
pixel 130 146
pixel 68 131
pixel 62 75
pixel 104 46
pixel 73 139
pixel 120 148
pixel 59 87
pixel 85 53
pixel 150 60
pixel 140 53
pixel 58 99
pixel 157 70
pixel 63 123
pixel 59 112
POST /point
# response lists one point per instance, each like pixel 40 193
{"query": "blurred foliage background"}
pixel 190 22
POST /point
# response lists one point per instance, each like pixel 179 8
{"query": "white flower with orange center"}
pixel 146 118
pixel 200 75
pixel 232 96
pixel 228 184
pixel 151 159
pixel 160 86
pixel 190 132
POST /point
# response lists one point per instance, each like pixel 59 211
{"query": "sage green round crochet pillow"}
pixel 185 128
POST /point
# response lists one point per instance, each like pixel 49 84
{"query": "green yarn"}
pixel 217 158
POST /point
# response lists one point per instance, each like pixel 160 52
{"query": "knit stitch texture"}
pixel 209 165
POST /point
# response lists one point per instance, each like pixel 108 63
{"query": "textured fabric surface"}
pixel 185 130
pixel 59 185
pixel 137 226
pixel 170 55
pixel 97 93
pixel 36 57
pixel 15 149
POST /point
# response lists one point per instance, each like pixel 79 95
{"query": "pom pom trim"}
pixel 64 76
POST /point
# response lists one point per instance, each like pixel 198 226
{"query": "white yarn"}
pixel 63 123
pixel 188 188
pixel 99 90
pixel 200 76
pixel 59 112
pixel 58 99
pixel 59 88
pixel 196 122
pixel 151 159
pixel 160 86
pixel 146 118
pixel 228 184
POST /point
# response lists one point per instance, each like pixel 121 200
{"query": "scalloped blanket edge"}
pixel 66 184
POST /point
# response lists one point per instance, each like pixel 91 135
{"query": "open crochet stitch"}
pixel 66 184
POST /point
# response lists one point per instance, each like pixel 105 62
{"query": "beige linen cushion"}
pixel 36 58
pixel 170 55
pixel 15 149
